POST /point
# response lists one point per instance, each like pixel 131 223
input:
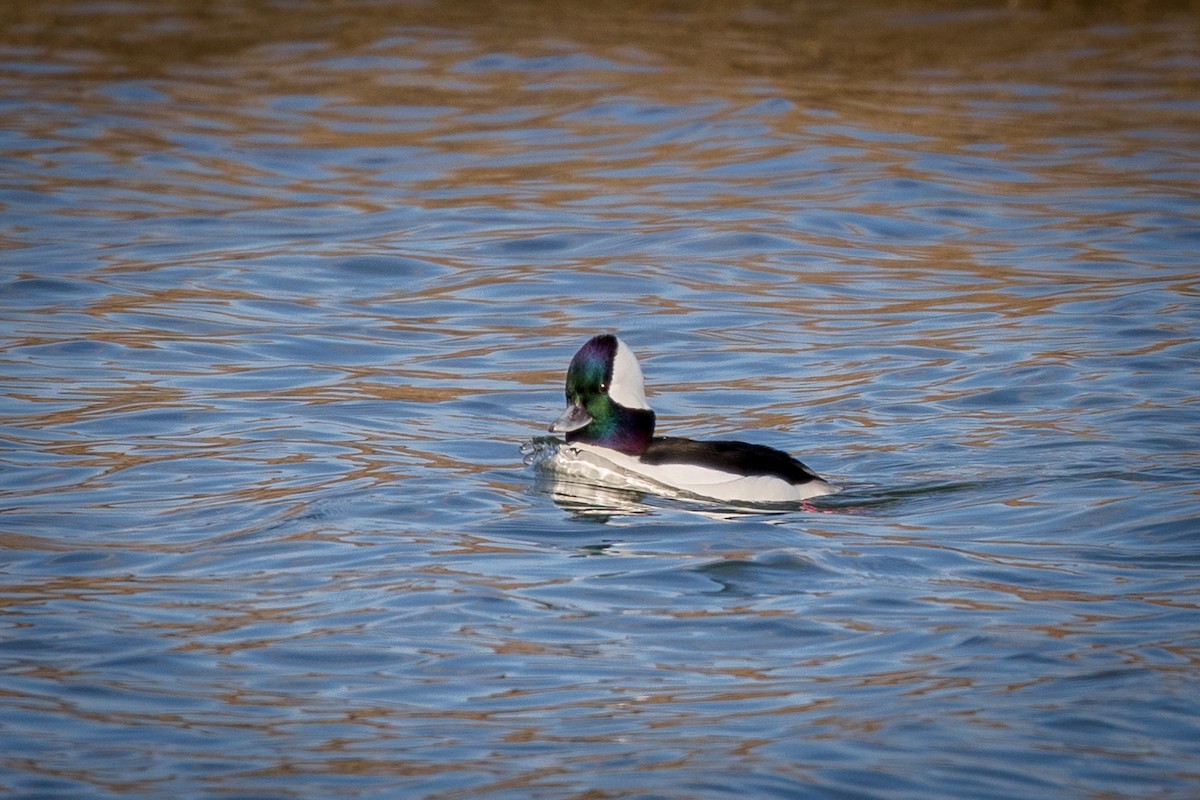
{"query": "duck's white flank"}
pixel 609 466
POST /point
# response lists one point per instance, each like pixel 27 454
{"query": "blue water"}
pixel 284 290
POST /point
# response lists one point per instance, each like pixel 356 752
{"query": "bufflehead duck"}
pixel 609 429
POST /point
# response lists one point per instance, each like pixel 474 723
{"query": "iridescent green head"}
pixel 606 398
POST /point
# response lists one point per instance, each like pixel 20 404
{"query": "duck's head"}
pixel 606 398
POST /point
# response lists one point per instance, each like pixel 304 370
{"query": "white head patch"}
pixel 627 387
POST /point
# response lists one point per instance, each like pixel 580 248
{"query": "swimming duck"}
pixel 609 428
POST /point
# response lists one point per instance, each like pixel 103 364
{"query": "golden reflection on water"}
pixel 872 65
pixel 852 56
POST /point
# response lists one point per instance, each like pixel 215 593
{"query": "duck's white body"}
pixel 603 465
pixel 609 428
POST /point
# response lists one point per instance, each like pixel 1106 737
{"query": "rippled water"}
pixel 285 289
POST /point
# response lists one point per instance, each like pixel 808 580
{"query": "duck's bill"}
pixel 574 418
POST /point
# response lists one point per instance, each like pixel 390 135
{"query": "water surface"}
pixel 283 290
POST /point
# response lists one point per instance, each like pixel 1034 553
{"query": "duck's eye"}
pixel 604 387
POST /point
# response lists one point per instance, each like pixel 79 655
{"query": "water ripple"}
pixel 283 295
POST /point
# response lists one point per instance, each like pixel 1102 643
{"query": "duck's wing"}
pixel 741 458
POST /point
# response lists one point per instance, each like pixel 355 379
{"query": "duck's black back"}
pixel 741 458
